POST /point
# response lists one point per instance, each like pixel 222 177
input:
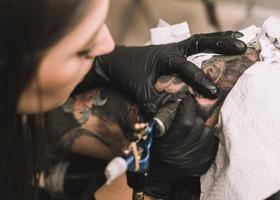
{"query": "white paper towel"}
pixel 270 40
pixel 165 33
pixel 247 166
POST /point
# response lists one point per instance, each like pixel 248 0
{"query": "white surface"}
pixel 248 159
pixel 247 166
pixel 250 34
pixel 270 40
pixel 166 33
pixel 115 168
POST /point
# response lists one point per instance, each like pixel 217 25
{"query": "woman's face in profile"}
pixel 63 66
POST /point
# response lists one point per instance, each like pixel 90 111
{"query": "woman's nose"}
pixel 104 42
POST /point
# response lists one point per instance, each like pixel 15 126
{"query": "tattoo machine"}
pixel 136 158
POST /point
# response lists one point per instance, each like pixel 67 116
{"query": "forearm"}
pixel 71 137
pixel 90 146
pixel 94 123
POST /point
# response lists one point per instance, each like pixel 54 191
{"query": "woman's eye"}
pixel 85 54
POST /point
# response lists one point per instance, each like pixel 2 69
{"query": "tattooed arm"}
pixel 99 122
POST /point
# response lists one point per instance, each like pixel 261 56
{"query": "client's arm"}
pixel 97 120
pixel 95 123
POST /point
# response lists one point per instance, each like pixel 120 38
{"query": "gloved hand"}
pixel 187 149
pixel 134 70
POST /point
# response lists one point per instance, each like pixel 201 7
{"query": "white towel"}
pixel 247 166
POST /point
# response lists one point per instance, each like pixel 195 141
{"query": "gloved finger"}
pixel 233 34
pixel 193 154
pixel 185 116
pixel 221 45
pixel 207 151
pixel 191 75
pixel 185 119
pixel 197 157
pixel 167 150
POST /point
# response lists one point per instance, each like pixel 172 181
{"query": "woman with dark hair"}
pixel 47 48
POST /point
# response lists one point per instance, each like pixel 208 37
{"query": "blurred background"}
pixel 131 20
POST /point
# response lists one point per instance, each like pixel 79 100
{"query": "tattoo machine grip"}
pixel 166 114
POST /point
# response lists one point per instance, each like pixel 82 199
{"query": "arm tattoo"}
pixel 82 105
pixel 102 114
pixel 68 139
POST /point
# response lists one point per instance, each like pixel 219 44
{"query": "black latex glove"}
pixel 134 70
pixel 187 149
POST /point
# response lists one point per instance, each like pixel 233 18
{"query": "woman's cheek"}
pixel 68 75
pixel 60 82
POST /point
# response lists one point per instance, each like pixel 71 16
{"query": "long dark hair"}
pixel 28 29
